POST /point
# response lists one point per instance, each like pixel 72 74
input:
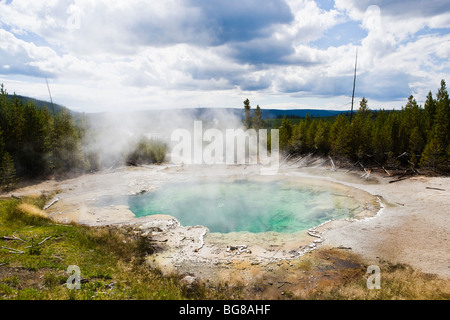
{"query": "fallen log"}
pixel 12 250
pixel 366 175
pixel 12 238
pixel 333 167
pixel 51 203
pixel 432 188
pixel 283 283
pixel 44 240
pixel 38 243
pixel 401 179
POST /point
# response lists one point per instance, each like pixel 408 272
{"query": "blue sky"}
pixel 111 55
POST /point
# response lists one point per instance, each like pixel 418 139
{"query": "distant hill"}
pixel 165 121
pixel 42 104
pixel 266 113
pixel 210 113
pixel 196 113
pixel 301 113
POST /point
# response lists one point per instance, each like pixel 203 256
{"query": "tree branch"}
pixel 12 238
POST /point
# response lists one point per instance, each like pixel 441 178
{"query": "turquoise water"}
pixel 240 205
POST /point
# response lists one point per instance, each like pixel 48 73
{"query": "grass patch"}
pixel 37 252
pixel 336 274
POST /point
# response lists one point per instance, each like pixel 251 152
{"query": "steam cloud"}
pixel 113 135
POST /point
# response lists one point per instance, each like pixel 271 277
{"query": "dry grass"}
pixel 398 282
pixel 340 274
pixel 32 210
pixel 335 274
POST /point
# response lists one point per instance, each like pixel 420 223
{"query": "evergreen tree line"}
pixel 34 142
pixel 414 136
pixel 37 143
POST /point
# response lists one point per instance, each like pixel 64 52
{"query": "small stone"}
pixel 188 280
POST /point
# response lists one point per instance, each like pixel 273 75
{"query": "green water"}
pixel 240 205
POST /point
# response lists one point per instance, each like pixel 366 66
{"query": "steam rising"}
pixel 113 135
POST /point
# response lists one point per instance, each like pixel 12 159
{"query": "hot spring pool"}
pixel 243 205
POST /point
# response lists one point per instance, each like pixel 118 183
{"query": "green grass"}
pixel 112 261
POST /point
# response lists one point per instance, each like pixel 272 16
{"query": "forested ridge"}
pixel 37 142
pixel 34 142
pixel 41 142
pixel 52 107
pixel 414 137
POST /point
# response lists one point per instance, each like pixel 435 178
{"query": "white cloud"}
pixel 151 54
pixel 310 21
pixel 402 18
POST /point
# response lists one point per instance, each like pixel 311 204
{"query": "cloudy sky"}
pixel 121 55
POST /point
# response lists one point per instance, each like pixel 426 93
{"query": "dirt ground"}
pixel 402 222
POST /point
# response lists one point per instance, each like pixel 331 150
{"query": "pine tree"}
pixel 430 111
pixel 392 133
pixel 299 135
pixel 13 126
pixel 364 110
pixel 257 121
pixel 247 114
pixel 442 117
pixel 435 154
pixel 379 141
pixel 411 134
pixel 33 156
pixel 360 131
pixel 3 104
pixel 8 179
pixel 66 152
pixel 416 145
pixel 285 133
pixel 2 144
pixel 298 138
pixel 340 138
pixel 321 139
pixel 311 135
